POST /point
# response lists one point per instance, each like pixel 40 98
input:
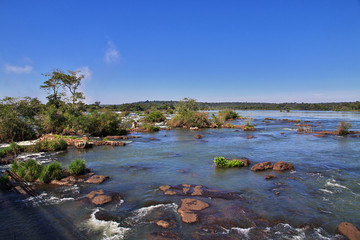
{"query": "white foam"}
pixel 45 199
pixel 326 190
pixel 243 231
pixel 110 230
pixel 332 183
pixel 142 212
pixel 289 129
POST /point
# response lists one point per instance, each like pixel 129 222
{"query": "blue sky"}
pixel 254 50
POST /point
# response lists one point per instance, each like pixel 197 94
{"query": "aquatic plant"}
pixel 12 149
pixel 47 145
pixel 150 128
pixel 225 163
pixel 77 167
pixel 105 139
pixel 343 128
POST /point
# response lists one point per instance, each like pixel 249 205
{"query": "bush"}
pixel 12 149
pixel 48 145
pixel 29 170
pixel 4 179
pixel 225 163
pixel 190 119
pixel 155 116
pixel 150 128
pixel 343 128
pixel 51 172
pixel 225 115
pixel 77 167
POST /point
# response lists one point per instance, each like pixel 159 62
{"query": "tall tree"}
pixel 53 85
pixel 72 82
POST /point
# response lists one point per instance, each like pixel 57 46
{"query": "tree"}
pixel 53 86
pixel 186 105
pixel 72 82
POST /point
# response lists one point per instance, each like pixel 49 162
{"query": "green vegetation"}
pixel 12 149
pixel 155 117
pixel 225 163
pixel 29 170
pixel 4 179
pixel 77 167
pixel 187 116
pixel 343 128
pixel 150 128
pixel 227 114
pixel 53 171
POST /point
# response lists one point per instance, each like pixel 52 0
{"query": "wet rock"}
pixel 197 191
pixel 283 166
pixel 83 144
pixel 163 236
pixel 245 161
pixel 262 166
pixel 163 224
pixel 100 197
pixel 169 192
pixel 349 231
pixel 194 128
pixel 187 207
pixel 97 179
pixel 60 183
pixel 270 176
pixel 198 136
pixel 164 187
pixel 154 139
pixel 105 216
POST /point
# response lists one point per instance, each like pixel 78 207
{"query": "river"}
pixel 322 191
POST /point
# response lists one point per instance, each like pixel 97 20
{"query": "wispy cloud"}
pixel 112 54
pixel 85 70
pixel 16 69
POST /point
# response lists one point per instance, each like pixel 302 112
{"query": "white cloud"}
pixel 16 69
pixel 85 70
pixel 111 54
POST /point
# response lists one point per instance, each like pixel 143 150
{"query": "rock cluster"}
pixel 279 166
pixel 187 208
pixel 100 197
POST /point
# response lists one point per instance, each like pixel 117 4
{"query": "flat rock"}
pixel 262 166
pixel 100 197
pixel 163 224
pixel 188 205
pixel 197 191
pixel 283 166
pixel 349 231
pixel 164 187
pixel 97 179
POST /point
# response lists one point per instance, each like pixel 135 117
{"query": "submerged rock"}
pixel 270 176
pixel 283 166
pixel 198 136
pixel 349 231
pixel 163 224
pixel 262 166
pixel 97 179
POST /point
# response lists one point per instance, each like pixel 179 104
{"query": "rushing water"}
pixel 323 191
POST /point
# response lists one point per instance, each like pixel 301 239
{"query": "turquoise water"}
pixel 323 191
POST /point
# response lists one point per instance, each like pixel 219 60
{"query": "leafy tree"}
pixel 72 82
pixel 186 105
pixel 54 86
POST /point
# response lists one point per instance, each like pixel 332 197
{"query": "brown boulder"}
pixel 169 192
pixel 262 166
pixel 270 176
pixel 349 231
pixel 100 197
pixel 283 166
pixel 198 136
pixel 97 179
pixel 197 191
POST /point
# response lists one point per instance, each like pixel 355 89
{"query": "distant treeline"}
pixel 168 105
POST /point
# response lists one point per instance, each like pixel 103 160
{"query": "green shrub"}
pixel 155 116
pixel 77 167
pixel 190 119
pixel 4 179
pixel 29 170
pixel 12 149
pixel 150 128
pixel 105 139
pixel 47 145
pixel 343 128
pixel 225 115
pixel 225 163
pixel 51 172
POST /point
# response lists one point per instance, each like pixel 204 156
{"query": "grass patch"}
pixel 53 171
pixel 150 128
pixel 29 170
pixel 343 128
pixel 77 167
pixel 222 162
